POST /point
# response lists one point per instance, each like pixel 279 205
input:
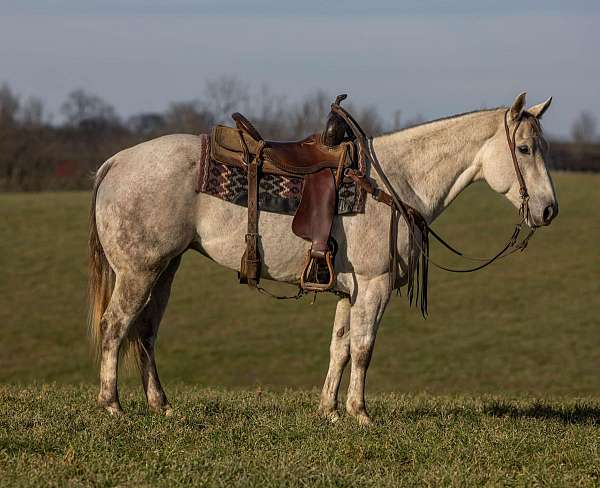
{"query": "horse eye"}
pixel 524 149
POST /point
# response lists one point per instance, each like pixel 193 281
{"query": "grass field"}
pixel 500 385
pixel 55 436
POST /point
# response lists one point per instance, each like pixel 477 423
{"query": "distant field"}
pixel 500 386
pixel 528 325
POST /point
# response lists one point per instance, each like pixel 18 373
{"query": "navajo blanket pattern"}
pixel 277 194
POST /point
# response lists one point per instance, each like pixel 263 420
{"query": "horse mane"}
pixel 536 123
pixel 440 119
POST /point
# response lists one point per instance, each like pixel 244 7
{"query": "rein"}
pixel 415 221
pixel 513 245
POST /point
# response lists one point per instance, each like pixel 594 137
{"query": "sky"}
pixel 432 58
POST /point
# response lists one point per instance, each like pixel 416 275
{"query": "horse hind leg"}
pixel 143 334
pixel 127 301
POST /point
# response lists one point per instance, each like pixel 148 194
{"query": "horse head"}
pixel 520 133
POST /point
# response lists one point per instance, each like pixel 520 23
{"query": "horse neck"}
pixel 429 165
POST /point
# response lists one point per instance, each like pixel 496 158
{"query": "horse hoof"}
pixel 364 420
pixel 333 416
pixel 360 414
pixel 114 410
pixel 165 410
pixel 113 407
pixel 330 414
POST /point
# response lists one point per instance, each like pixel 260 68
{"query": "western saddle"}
pixel 321 160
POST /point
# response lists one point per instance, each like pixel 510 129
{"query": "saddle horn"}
pixel 336 127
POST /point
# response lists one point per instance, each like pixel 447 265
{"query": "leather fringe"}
pixel 418 262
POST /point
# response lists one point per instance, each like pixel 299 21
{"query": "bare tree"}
pixel 189 117
pixel 32 113
pixel 82 106
pixel 225 95
pixel 147 124
pixel 309 115
pixel 368 118
pixel 397 121
pixel 584 128
pixel 269 112
pixel 9 106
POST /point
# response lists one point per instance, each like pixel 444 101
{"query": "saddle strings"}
pixel 418 267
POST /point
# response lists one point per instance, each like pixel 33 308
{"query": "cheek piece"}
pixel 524 194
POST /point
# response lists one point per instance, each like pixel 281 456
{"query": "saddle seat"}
pixel 302 157
pixel 306 156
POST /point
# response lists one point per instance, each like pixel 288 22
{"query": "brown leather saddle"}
pixel 320 160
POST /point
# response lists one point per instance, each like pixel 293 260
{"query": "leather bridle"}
pixel 524 210
pixel 513 244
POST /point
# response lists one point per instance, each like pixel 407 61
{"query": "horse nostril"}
pixel 548 214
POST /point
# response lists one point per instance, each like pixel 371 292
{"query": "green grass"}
pixel 500 385
pixel 54 436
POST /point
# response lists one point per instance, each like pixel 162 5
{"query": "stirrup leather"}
pixel 318 273
pixel 249 273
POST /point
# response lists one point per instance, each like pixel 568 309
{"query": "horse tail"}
pixel 101 277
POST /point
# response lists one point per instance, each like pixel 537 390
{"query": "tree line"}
pixel 38 152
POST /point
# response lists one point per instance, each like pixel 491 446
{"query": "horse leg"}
pixel 128 299
pixel 146 329
pixel 339 353
pixel 365 316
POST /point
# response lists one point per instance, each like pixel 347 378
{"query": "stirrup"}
pixel 315 267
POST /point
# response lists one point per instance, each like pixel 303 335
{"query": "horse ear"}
pixel 538 110
pixel 516 110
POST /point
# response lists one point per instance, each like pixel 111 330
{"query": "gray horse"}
pixel 145 214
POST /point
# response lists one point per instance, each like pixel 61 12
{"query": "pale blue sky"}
pixel 432 58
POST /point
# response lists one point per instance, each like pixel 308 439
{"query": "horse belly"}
pixel 222 226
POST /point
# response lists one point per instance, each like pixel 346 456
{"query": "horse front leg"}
pixel 365 316
pixel 339 354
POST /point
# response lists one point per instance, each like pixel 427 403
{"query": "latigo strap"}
pixel 251 264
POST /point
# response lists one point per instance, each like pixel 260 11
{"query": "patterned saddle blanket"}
pixel 277 193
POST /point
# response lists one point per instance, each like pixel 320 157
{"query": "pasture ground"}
pixel 499 386
pixel 53 435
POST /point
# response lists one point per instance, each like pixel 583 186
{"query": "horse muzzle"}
pixel 549 213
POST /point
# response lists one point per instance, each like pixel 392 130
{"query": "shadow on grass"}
pixel 574 413
pixel 571 414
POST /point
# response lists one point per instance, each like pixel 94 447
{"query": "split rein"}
pixel 513 245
